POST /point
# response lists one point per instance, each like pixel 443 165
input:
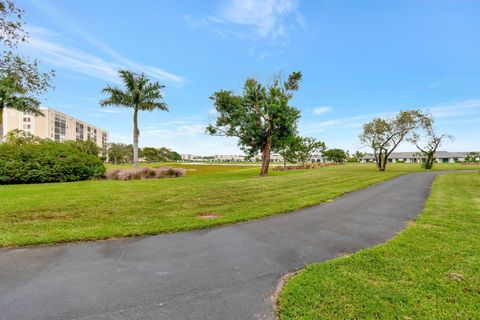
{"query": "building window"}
pixel 60 127
pixel 79 134
pixel 27 119
pixel 104 144
pixel 27 127
pixel 89 133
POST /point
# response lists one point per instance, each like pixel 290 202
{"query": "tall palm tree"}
pixel 14 96
pixel 140 95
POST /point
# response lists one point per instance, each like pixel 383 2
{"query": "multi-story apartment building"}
pixel 54 125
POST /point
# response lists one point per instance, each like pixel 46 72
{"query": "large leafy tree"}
pixel 140 94
pixel 174 156
pixel 306 147
pixel 427 141
pixel 21 81
pixel 119 153
pixel 260 117
pixel 336 155
pixel 289 150
pixel 87 146
pixel 151 154
pixel 384 135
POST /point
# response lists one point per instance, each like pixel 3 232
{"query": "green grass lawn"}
pixel 87 210
pixel 429 271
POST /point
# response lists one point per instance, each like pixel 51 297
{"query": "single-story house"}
pixel 414 157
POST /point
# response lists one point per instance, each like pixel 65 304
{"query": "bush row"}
pixel 46 162
pixel 144 173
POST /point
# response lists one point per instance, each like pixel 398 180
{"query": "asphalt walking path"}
pixel 222 273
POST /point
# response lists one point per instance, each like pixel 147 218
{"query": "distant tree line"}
pixel 119 153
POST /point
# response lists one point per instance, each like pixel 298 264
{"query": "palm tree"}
pixel 140 95
pixel 14 96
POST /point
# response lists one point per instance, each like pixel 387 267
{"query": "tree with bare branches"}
pixel 384 135
pixel 427 141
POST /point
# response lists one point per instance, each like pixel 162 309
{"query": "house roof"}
pixel 416 154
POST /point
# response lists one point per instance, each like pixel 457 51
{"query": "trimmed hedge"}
pixel 46 162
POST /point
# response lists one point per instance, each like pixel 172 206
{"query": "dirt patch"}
pixel 343 254
pixel 455 276
pixel 278 290
pixel 18 218
pixel 208 216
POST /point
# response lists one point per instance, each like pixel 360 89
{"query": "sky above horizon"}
pixel 359 59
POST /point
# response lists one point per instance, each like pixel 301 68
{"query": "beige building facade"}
pixel 54 125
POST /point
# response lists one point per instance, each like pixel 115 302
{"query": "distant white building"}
pixel 415 157
pixel 274 157
pixel 317 158
pixel 187 156
pixel 192 157
pixel 228 158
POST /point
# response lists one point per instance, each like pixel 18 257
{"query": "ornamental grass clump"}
pixel 144 173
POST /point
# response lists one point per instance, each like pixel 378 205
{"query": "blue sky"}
pixel 360 59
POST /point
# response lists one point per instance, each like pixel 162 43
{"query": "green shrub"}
pixel 46 162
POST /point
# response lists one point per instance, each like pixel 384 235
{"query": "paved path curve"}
pixel 223 273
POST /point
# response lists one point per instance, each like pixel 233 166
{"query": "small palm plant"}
pixel 140 95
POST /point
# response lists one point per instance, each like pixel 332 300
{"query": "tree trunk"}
pixel 266 151
pixel 384 163
pixel 381 160
pixel 377 159
pixel 136 133
pixel 1 124
pixel 429 161
pixel 266 157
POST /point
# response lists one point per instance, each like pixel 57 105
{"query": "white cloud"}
pixel 110 111
pixel 456 109
pixel 73 59
pixel 262 18
pixel 435 84
pixel 265 17
pixel 322 110
pixel 49 47
pixel 455 112
pixel 68 23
